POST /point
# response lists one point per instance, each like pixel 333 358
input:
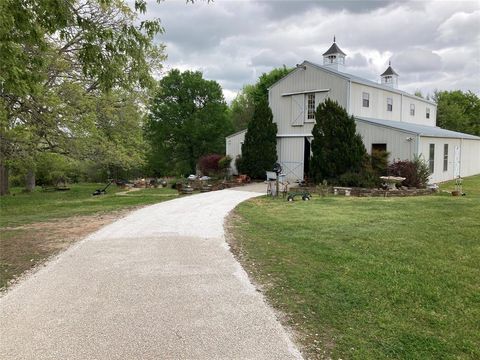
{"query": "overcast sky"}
pixel 432 44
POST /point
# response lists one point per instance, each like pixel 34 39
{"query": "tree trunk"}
pixel 30 181
pixel 4 190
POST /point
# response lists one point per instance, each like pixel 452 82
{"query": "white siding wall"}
pixel 469 159
pixel 397 144
pixel 401 106
pixel 289 112
pixel 420 111
pixel 290 154
pixel 234 147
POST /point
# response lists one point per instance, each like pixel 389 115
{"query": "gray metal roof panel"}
pixel 422 130
pixel 389 71
pixel 360 80
pixel 334 49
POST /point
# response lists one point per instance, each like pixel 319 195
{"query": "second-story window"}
pixel 311 106
pixel 366 99
pixel 389 104
pixel 427 113
pixel 412 109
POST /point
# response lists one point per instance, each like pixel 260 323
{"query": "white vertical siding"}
pixel 469 157
pixel 401 145
pixel 300 80
pixel 290 154
pixel 420 111
pixel 234 147
pixel 401 106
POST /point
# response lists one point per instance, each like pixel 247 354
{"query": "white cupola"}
pixel 389 77
pixel 334 57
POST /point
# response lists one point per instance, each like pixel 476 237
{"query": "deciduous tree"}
pixel 188 119
pixel 458 111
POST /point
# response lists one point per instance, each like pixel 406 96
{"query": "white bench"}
pixel 340 189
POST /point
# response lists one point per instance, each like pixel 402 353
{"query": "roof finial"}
pixel 389 62
pixel 333 38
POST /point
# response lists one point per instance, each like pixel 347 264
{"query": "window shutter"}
pixel 298 110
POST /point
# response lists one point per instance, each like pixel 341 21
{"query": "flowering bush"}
pixel 416 172
pixel 208 164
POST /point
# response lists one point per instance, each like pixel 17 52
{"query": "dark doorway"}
pixel 306 159
pixel 379 147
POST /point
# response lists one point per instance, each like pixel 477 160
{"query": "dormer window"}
pixel 412 109
pixel 389 104
pixel 427 113
pixel 365 99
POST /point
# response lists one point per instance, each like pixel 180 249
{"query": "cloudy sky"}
pixel 432 44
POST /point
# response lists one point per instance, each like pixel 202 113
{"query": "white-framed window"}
pixel 431 159
pixel 412 109
pixel 427 113
pixel 311 106
pixel 365 99
pixel 389 104
pixel 445 157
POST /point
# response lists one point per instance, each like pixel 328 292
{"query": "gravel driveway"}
pixel 160 283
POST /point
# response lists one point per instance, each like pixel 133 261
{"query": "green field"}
pixel 23 208
pixel 35 226
pixel 370 278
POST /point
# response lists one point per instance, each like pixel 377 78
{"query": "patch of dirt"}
pixel 24 248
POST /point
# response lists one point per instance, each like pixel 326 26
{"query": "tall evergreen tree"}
pixel 259 151
pixel 336 146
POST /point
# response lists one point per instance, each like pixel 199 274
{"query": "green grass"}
pixel 22 208
pixel 37 225
pixel 371 278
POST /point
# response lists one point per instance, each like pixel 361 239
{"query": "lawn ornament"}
pixel 305 195
pixel 102 191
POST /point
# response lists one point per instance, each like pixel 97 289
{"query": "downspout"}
pixel 348 97
pixel 401 108
pixel 417 146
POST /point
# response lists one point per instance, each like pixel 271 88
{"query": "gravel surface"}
pixel 160 283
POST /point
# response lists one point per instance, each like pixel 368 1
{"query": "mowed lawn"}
pixel 35 226
pixel 23 208
pixel 371 278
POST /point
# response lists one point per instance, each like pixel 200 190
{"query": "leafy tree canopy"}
pixel 241 109
pixel 188 119
pixel 336 147
pixel 458 111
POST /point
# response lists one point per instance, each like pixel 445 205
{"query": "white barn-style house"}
pixel 386 118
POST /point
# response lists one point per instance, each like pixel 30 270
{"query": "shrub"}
pixel 209 164
pixel 239 164
pixel 364 179
pixel 379 161
pixel 415 172
pixel 225 162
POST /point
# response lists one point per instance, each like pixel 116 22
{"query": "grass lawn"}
pixel 38 225
pixel 370 278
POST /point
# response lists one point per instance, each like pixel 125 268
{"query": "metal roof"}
pixel 389 71
pixel 237 133
pixel 360 80
pixel 421 130
pixel 334 49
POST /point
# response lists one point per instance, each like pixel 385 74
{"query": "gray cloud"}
pixel 433 44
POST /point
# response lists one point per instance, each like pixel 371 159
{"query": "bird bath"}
pixel 392 181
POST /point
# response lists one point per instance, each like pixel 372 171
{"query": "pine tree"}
pixel 336 146
pixel 259 151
